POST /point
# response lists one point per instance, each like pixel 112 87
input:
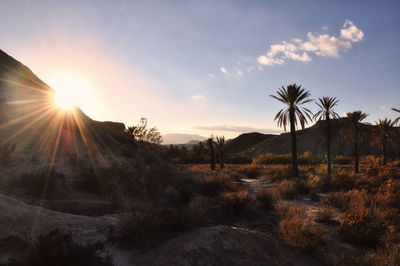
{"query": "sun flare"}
pixel 71 90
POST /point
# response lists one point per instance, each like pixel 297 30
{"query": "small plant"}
pixel 288 189
pixel 297 231
pixel 267 198
pixel 235 202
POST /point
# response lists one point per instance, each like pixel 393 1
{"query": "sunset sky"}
pixel 207 67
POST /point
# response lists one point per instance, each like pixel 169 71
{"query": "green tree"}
pixel 293 96
pixel 385 134
pixel 353 132
pixel 210 142
pixel 220 143
pixel 326 105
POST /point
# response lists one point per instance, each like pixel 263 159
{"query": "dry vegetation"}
pixel 363 208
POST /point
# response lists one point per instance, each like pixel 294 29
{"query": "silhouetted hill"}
pixel 245 141
pixel 33 126
pixel 312 140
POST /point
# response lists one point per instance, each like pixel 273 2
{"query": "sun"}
pixel 71 90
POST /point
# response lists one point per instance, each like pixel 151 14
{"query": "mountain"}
pixel 245 141
pixel 312 140
pixel 181 138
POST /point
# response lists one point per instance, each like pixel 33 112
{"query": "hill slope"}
pixel 312 140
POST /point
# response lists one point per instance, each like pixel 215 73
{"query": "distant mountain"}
pixel 312 140
pixel 181 139
pixel 245 141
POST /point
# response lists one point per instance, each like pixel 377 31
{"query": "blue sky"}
pixel 165 60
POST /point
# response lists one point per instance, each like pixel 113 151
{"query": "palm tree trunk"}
pixel 384 150
pixel 212 155
pixel 356 163
pixel 294 144
pixel 328 145
pixel 221 159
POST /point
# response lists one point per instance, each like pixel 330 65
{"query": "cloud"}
pixel 199 97
pixel 237 128
pixel 223 70
pixel 318 44
pixel 351 32
pixel 239 72
pixel 210 75
pixel 382 107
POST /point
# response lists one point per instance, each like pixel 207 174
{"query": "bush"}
pixel 235 202
pixel 58 249
pixel 362 223
pixel 388 251
pixel 338 200
pixel 297 231
pixel 216 183
pixel 271 158
pixel 251 171
pixel 288 189
pixel 267 198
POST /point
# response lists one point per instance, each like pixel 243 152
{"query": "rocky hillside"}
pixel 245 141
pixel 312 140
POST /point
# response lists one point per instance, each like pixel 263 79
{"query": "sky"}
pixel 208 67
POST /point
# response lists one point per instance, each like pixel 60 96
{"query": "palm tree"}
pixel 293 96
pixel 210 142
pixel 355 118
pixel 326 111
pixel 398 118
pixel 386 132
pixel 220 143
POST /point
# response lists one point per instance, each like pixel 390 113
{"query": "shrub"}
pixel 288 189
pixel 235 202
pixel 267 198
pixel 251 171
pixel 278 173
pixel 388 251
pixel 271 158
pixel 362 223
pixel 297 231
pixel 338 200
pixel 216 183
pixel 58 249
pixel 325 216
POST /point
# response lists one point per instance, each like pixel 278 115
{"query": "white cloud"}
pixel 199 97
pixel 351 32
pixel 210 75
pixel 325 27
pixel 250 68
pixel 239 72
pixel 382 107
pixel 318 44
pixel 223 70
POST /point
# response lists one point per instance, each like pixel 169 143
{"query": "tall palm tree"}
pixel 398 118
pixel 220 143
pixel 386 132
pixel 293 96
pixel 210 142
pixel 326 111
pixel 355 118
